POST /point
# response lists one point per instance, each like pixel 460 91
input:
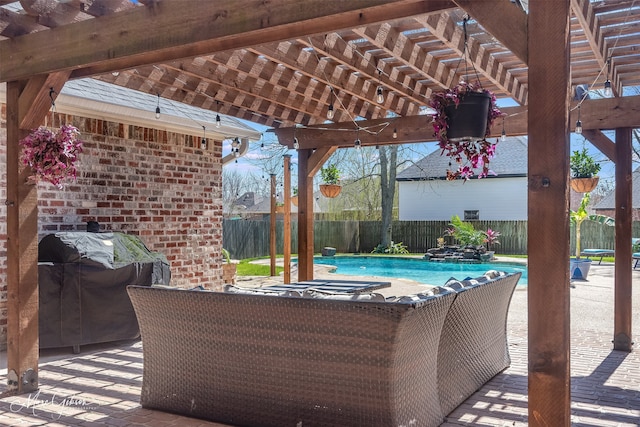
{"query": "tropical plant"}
pixel 465 233
pixel 393 249
pixel 52 155
pixel 491 237
pixel 226 256
pixel 581 215
pixel 468 154
pixel 583 165
pixel 330 174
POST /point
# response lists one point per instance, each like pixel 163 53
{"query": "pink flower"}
pixel 50 155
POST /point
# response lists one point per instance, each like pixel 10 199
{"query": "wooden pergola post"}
pixel 548 205
pixel 624 205
pixel 305 217
pixel 286 234
pixel 272 226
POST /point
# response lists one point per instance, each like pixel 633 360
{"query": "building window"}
pixel 469 215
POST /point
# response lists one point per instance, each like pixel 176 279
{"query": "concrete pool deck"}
pixel 105 380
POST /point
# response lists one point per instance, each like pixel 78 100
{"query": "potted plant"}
pixel 462 121
pixel 228 268
pixel 52 155
pixel 279 207
pixel 583 172
pixel 578 267
pixel 294 198
pixel 331 178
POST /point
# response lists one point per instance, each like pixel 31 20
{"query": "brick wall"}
pixel 152 183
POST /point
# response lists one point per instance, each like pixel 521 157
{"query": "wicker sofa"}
pixel 358 360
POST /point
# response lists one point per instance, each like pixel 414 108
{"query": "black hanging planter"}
pixel 468 120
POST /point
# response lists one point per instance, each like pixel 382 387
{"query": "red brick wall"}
pixel 152 183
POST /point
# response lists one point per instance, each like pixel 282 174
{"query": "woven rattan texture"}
pixel 251 360
pixel 473 345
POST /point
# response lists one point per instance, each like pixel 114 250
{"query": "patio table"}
pixel 346 286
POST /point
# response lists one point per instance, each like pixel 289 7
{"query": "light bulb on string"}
pixel 578 128
pixel 158 108
pixel 296 144
pixel 503 137
pixel 330 112
pixel 608 91
pixel 218 121
pixel 234 143
pixel 357 144
pixel 379 95
pixel 395 133
pixel 203 142
pixel 379 91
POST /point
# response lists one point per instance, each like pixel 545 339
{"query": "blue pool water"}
pixel 432 273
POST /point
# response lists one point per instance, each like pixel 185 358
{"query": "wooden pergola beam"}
pixel 601 142
pixel 595 114
pixel 174 30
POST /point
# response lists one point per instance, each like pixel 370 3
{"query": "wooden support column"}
pixel 272 226
pixel 548 206
pixel 286 243
pixel 27 104
pixel 622 313
pixel 305 217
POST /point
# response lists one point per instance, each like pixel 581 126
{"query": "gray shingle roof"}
pixel 510 160
pixel 609 201
pixel 107 93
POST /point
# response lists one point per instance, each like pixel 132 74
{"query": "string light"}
pixel 608 91
pixel 218 121
pixel 357 143
pixel 379 92
pixel 503 137
pixel 395 133
pixel 158 108
pixel 203 143
pixel 578 129
pixel 330 112
pixel 296 144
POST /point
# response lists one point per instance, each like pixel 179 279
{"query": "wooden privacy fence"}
pixel 250 238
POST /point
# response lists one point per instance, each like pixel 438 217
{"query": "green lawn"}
pixel 246 268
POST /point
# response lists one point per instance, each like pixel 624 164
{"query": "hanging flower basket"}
pixel 52 155
pixel 294 200
pixel 462 121
pixel 330 190
pixel 584 185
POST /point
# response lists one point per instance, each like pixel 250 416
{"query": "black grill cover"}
pixel 83 279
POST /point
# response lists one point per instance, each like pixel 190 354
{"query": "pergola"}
pixel 282 63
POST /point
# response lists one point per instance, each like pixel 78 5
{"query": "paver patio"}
pixel 101 386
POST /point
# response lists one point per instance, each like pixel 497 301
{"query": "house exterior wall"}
pixel 155 184
pixel 493 198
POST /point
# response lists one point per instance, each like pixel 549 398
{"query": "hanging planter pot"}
pixel 468 119
pixel 294 200
pixel 584 185
pixel 330 190
pixel 463 118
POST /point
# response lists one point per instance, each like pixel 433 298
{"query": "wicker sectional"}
pixel 264 360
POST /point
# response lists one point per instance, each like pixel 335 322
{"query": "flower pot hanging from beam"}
pixel 584 185
pixel 330 190
pixel 468 119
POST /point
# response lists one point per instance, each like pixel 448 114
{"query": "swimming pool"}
pixel 432 273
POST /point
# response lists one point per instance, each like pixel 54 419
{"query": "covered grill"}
pixel 82 280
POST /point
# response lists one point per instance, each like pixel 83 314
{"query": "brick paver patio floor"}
pixel 101 386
